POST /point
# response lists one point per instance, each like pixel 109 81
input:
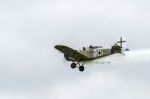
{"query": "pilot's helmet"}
pixel 84 48
pixel 90 46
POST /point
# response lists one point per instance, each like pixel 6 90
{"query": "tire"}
pixel 81 68
pixel 73 65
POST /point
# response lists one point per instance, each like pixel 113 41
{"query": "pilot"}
pixel 90 46
pixel 84 48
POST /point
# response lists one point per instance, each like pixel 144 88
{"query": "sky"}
pixel 30 67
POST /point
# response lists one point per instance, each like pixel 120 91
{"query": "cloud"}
pixel 31 68
pixel 101 84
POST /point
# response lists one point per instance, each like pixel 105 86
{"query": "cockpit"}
pixel 116 44
pixel 84 48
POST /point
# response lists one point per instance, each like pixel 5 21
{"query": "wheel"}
pixel 81 68
pixel 73 65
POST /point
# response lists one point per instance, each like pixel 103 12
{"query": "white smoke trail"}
pixel 138 56
pixel 132 56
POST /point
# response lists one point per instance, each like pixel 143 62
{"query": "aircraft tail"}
pixel 121 42
pixel 118 47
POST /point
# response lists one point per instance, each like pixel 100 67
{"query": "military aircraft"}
pixel 79 57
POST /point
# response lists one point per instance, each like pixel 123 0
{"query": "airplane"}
pixel 79 57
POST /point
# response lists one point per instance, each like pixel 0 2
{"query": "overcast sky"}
pixel 30 67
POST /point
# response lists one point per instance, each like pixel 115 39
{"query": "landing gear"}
pixel 73 65
pixel 81 68
pixel 78 65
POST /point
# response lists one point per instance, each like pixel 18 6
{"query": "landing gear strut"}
pixel 74 65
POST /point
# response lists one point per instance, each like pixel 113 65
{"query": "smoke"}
pixel 136 56
pixel 129 57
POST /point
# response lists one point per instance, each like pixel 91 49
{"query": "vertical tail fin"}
pixel 121 41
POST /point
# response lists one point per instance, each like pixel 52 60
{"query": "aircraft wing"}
pixel 71 53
